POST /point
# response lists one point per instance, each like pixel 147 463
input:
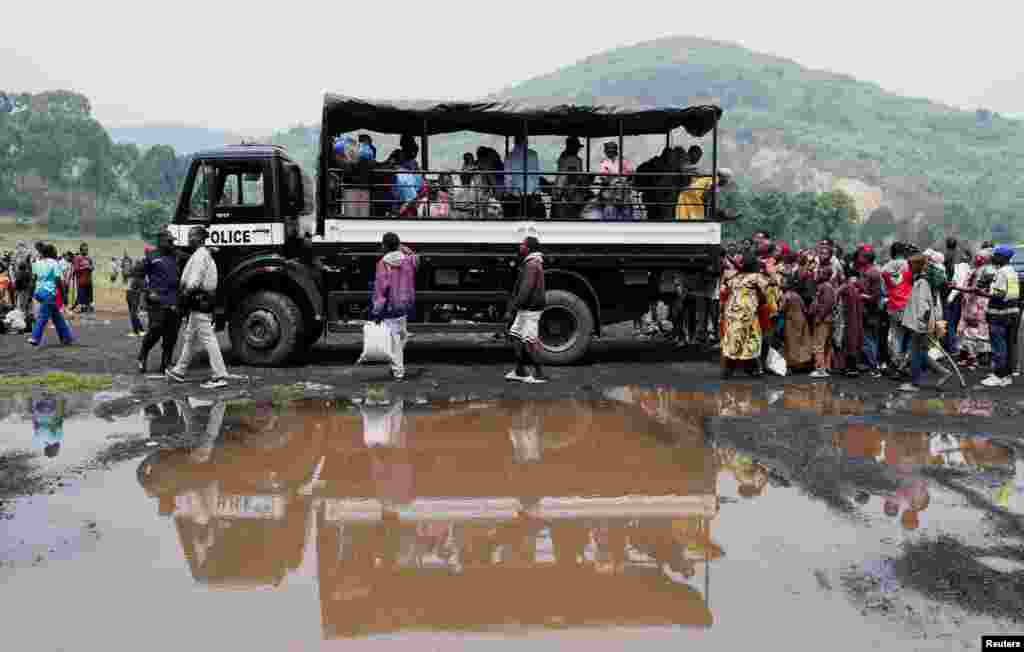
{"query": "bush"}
pixel 19 204
pixel 116 221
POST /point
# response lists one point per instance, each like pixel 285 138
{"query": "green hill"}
pixel 791 128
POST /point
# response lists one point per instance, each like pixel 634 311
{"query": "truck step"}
pixel 428 327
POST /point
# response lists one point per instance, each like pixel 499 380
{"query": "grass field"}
pixel 108 296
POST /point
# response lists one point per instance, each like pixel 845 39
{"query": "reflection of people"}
pixel 525 433
pixel 48 424
pixel 384 428
pixel 165 418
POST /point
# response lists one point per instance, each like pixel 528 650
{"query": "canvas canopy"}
pixel 506 118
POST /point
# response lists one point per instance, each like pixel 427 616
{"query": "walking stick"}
pixel 933 341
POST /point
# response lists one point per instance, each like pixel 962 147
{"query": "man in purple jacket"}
pixel 394 297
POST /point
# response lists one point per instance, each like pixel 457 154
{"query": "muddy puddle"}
pixel 648 517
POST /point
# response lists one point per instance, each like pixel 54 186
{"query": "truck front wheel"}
pixel 266 329
pixel 566 328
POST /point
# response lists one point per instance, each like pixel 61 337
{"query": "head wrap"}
pixel 1006 251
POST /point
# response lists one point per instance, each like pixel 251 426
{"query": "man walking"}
pixel 527 303
pixel 84 267
pixel 161 274
pixel 394 297
pixel 1003 318
pixel 198 290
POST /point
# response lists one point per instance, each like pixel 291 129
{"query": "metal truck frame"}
pixel 293 266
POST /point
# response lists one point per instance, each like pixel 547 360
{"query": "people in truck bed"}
pixel 357 162
pixel 489 183
pixel 571 190
pixel 616 192
pixel 693 202
pixel 523 158
pixel 408 183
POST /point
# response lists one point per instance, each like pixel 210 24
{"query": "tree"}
pixel 158 173
pixel 837 214
pixel 64 221
pixel 152 216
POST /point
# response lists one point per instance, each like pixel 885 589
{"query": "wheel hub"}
pixel 262 330
pixel 558 328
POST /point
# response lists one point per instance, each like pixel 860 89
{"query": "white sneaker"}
pixel 819 373
pixel 1008 381
pixel 512 375
pixel 215 383
pixel 909 387
pixel 533 380
pixel 996 381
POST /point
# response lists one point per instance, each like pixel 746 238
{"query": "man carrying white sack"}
pixel 394 297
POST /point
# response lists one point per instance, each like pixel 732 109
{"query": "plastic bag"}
pixel 15 321
pixel 376 344
pixel 776 363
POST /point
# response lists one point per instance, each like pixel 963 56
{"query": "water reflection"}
pixel 47 423
pixel 527 513
pixel 490 514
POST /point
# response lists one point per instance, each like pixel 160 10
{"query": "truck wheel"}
pixel 266 329
pixel 310 336
pixel 566 328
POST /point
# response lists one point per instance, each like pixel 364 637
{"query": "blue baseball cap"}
pixel 1006 251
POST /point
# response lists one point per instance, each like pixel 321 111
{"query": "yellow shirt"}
pixel 690 202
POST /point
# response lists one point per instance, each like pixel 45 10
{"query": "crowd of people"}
pixel 40 286
pixel 666 187
pixel 829 312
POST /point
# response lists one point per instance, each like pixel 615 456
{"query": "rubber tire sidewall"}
pixel 584 328
pixel 289 318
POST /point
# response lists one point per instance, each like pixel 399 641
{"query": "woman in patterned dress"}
pixel 741 296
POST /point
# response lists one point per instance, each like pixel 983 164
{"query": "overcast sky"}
pixel 255 65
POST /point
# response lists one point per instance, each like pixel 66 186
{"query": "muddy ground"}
pixel 815 549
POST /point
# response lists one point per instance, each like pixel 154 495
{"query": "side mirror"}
pixel 295 197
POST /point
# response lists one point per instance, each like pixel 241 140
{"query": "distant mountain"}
pixel 185 139
pixel 1004 96
pixel 792 128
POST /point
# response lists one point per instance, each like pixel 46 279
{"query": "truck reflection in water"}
pixel 480 516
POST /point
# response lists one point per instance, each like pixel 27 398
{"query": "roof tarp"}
pixel 506 118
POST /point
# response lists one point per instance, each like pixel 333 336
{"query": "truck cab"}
pixel 259 208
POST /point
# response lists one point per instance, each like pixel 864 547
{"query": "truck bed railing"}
pixel 497 194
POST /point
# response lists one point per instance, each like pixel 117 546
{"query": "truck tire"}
pixel 310 336
pixel 566 328
pixel 266 329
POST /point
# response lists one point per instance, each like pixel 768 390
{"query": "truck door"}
pixel 243 214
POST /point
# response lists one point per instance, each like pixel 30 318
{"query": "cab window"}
pixel 240 191
pixel 197 206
